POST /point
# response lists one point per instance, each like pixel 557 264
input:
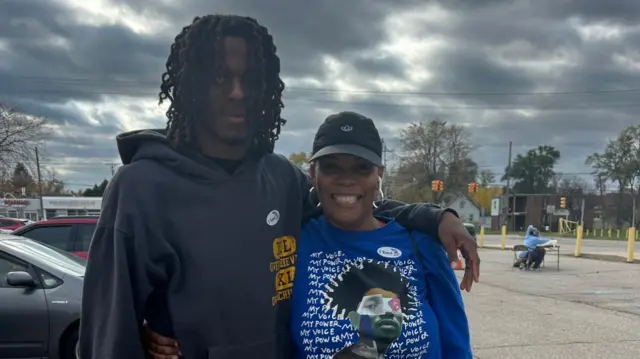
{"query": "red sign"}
pixel 18 202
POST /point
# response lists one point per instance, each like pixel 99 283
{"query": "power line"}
pixel 112 82
pixel 147 93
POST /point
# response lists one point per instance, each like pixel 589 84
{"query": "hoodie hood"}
pixel 135 143
pixel 153 145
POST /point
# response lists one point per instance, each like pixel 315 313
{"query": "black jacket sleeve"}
pixel 118 280
pixel 421 217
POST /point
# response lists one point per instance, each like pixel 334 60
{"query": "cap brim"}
pixel 353 150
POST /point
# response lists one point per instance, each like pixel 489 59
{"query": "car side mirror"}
pixel 20 279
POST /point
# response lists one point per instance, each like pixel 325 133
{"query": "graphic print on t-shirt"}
pixel 370 304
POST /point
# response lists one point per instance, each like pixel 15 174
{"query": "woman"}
pixel 365 287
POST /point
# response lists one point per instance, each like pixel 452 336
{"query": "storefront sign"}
pixel 13 202
pixel 88 203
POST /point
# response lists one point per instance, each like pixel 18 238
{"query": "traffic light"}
pixel 434 185
pixel 563 202
pixel 441 186
pixel 472 187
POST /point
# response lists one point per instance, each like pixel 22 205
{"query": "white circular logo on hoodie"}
pixel 273 217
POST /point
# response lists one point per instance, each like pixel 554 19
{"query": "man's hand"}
pixel 455 237
pixel 160 347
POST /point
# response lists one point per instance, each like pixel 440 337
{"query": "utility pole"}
pixel 39 184
pixel 113 168
pixel 385 184
pixel 506 195
pixel 582 212
pixel 384 153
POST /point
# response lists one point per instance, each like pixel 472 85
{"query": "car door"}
pixel 55 235
pixel 83 236
pixel 24 317
pixel 6 223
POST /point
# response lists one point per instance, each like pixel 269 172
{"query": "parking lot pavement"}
pixel 588 309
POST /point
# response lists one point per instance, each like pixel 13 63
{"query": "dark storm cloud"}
pixel 41 43
pixel 474 71
pixel 375 66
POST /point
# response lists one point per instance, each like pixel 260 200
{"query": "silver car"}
pixel 40 300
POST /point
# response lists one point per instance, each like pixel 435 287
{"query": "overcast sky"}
pixel 93 68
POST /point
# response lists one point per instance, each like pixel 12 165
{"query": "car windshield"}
pixel 50 256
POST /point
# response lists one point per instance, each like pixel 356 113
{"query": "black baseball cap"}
pixel 348 133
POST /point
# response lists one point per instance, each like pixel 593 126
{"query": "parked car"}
pixel 471 228
pixel 26 221
pixel 40 300
pixel 11 223
pixel 68 233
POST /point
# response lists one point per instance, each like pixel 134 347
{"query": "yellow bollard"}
pixel 609 234
pixel 618 234
pixel 503 240
pixel 481 245
pixel 587 235
pixel 601 232
pixel 578 241
pixel 631 245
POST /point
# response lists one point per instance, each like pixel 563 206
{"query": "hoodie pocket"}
pixel 259 350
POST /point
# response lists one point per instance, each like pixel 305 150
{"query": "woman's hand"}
pixel 160 347
pixel 454 238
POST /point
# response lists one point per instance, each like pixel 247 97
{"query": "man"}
pixel 197 231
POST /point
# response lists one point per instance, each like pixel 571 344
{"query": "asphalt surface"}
pixel 567 245
pixel 588 309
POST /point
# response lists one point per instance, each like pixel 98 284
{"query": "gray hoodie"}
pixel 204 256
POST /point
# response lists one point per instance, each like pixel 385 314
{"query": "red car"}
pixel 11 223
pixel 71 234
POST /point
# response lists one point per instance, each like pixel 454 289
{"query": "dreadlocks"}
pixel 196 61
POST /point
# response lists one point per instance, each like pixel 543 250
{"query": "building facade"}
pixel 467 209
pixel 71 206
pixel 29 208
pixel 543 211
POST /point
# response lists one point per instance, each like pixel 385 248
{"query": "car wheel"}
pixel 71 345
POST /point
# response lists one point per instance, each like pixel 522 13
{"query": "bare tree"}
pixel 424 143
pixel 438 151
pixel 554 183
pixel 19 136
pixel 486 178
pixel 300 159
pixel 573 185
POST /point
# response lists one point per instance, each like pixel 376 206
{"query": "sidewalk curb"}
pixel 599 257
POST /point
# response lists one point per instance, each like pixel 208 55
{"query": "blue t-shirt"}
pixel 364 294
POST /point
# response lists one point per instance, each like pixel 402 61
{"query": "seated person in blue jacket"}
pixel 366 287
pixel 534 242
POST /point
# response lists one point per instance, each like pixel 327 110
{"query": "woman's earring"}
pixel 379 192
pixel 313 196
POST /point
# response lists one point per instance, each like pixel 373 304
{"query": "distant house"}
pixel 467 209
